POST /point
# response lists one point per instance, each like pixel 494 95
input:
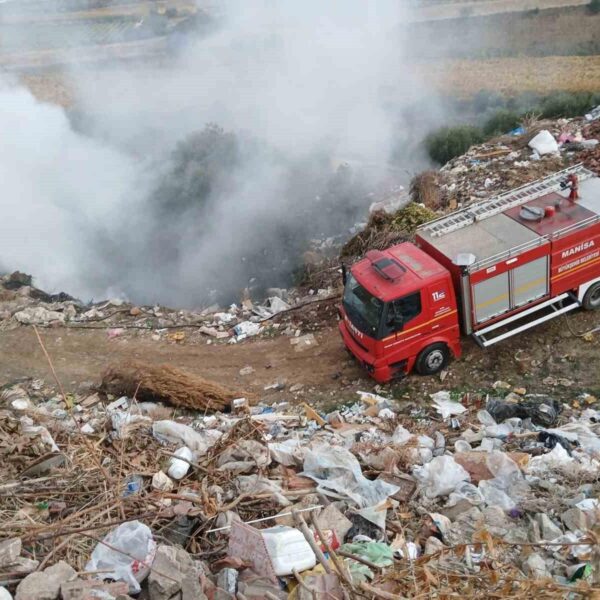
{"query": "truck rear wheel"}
pixel 591 300
pixel 433 359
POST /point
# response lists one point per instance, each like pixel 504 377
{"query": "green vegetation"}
pixel 564 104
pixel 498 116
pixel 448 142
pixel 594 7
pixel 501 122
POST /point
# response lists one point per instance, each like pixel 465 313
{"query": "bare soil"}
pixel 329 375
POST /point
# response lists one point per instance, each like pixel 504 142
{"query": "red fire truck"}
pixel 491 270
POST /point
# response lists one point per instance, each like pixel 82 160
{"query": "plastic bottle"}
pixel 179 468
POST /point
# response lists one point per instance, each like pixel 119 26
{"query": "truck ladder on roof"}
pixel 497 204
pixel 550 309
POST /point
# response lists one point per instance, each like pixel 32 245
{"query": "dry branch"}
pixel 164 383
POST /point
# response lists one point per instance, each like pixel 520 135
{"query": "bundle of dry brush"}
pixel 163 383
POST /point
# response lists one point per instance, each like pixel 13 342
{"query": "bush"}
pixel 448 142
pixel 564 104
pixel 501 122
pixel 594 7
pixel 485 99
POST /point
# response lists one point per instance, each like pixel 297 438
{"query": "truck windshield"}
pixel 362 308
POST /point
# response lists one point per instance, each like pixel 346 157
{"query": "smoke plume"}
pixel 209 172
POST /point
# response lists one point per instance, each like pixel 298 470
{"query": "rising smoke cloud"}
pixel 307 82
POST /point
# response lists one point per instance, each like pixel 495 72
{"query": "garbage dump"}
pixel 117 496
pixel 23 305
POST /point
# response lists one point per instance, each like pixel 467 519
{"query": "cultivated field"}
pixel 512 76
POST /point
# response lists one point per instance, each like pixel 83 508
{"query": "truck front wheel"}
pixel 591 300
pixel 433 359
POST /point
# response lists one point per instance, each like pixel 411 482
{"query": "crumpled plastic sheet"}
pixel 508 485
pixel 581 433
pixel 244 456
pixel 337 473
pixel 130 560
pixel 288 453
pixel 255 484
pixel 31 430
pixel 445 406
pixel 378 553
pixel 198 442
pixel 441 476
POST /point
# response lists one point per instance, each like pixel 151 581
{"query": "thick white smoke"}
pixel 304 78
pixel 61 191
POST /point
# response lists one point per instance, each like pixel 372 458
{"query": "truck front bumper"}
pixel 381 373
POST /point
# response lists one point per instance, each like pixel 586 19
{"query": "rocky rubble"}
pixel 509 162
pixel 22 304
pixel 497 492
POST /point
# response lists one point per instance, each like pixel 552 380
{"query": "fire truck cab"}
pixel 491 270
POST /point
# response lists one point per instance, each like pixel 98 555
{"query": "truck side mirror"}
pixel 344 274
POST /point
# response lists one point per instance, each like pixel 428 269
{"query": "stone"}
pixel 135 311
pixel 226 584
pixel 247 370
pixel 331 518
pixel 5 594
pixel 575 519
pixel 9 551
pixel 45 585
pixel 24 565
pixel 545 529
pixel 452 512
pixel 161 481
pixel 174 572
pixel 495 521
pixel 475 463
pixel 93 588
pixel 304 342
pixel 433 545
pixel 535 566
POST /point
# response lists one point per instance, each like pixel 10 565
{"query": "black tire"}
pixel 433 359
pixel 591 300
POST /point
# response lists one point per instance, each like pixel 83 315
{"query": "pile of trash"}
pixel 522 156
pixel 23 304
pixel 478 494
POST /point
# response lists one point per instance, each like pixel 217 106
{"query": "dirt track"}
pixel 325 370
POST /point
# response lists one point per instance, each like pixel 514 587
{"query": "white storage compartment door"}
pixel 530 281
pixel 491 297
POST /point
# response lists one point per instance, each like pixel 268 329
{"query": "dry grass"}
pixel 425 189
pixel 167 384
pixel 511 76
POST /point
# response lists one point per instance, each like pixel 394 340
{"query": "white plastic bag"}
pixel 504 469
pixel 441 476
pixel 132 557
pixel 177 433
pixel 246 329
pixel 289 452
pixel 445 406
pixel 338 473
pixel 494 496
pixel 544 143
pixel 465 491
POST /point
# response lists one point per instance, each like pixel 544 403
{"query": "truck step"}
pixel 513 325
